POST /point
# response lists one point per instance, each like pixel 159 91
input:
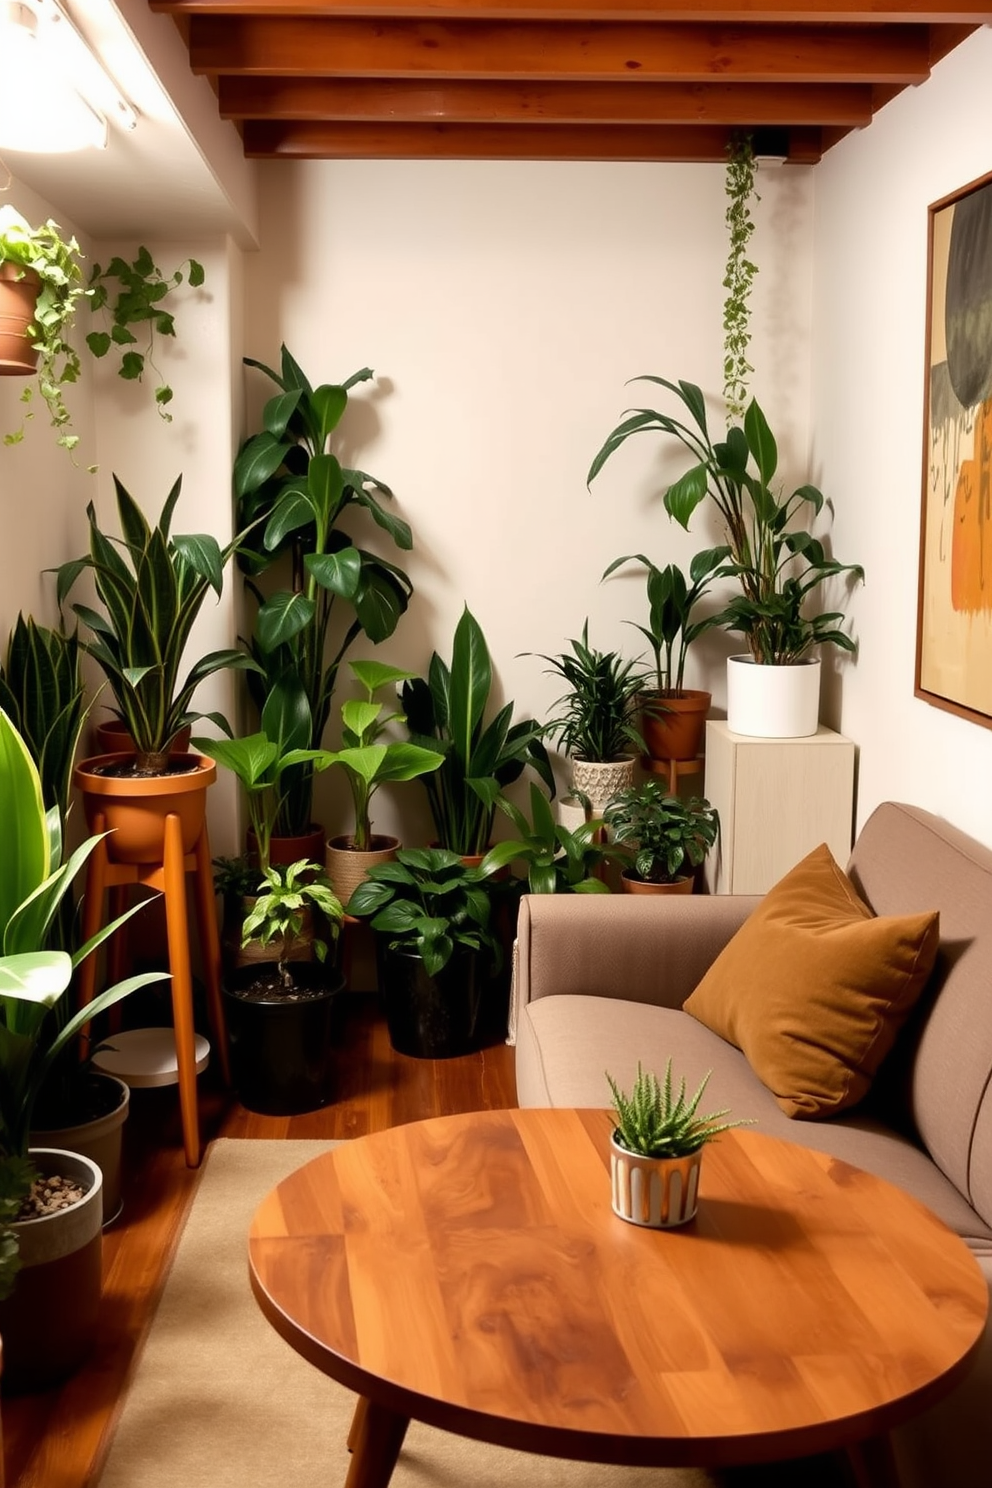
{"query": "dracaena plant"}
pixel 296 497
pixel 777 563
pixel 656 1120
pixel 35 1023
pixel 367 759
pixel 151 584
pixel 596 716
pixel 447 714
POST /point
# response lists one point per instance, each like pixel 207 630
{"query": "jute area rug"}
pixel 218 1399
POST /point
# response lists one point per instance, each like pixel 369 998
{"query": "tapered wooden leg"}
pixel 873 1463
pixel 117 951
pixel 206 915
pixel 375 1439
pixel 177 926
pixel 96 885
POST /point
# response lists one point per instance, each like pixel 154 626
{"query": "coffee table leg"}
pixel 375 1439
pixel 873 1463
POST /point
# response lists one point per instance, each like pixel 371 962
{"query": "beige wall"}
pixel 872 193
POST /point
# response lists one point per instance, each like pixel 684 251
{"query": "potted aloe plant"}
pixel 436 949
pixel 657 1147
pixel 446 712
pixel 296 501
pixel 151 584
pixel 51 1287
pixel 369 760
pixel 668 837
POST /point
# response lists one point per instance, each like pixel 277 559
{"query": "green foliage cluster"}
pixel 740 273
pixel 656 1121
pixel 558 860
pixel 672 601
pixel 668 835
pixel 284 894
pixel 42 692
pixel 132 293
pixel 596 720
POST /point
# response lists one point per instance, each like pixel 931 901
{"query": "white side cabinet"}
pixel 777 799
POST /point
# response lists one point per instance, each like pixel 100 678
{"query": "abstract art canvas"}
pixel 954 623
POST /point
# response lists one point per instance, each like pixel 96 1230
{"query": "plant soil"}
pixel 48 1195
pixel 269 987
pixel 126 769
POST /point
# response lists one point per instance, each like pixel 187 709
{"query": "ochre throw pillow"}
pixel 814 987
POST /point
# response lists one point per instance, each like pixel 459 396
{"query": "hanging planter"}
pixel 19 290
pixel 773 702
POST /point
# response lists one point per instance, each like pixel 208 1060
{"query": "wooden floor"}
pixel 58 1439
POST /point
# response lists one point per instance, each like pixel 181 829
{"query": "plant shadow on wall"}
pixel 42 286
pixel 300 502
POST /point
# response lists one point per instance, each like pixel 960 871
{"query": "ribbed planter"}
pixel 602 780
pixel 656 1192
pixel 282 1049
pixel 18 296
pixel 100 1140
pixel 48 1323
pixel 772 702
pixel 433 1017
pixel 134 808
pixel 632 885
pixel 347 868
pixel 672 724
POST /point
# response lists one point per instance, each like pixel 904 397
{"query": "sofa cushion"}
pixel 814 987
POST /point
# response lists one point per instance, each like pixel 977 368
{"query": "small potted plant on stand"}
pixel 673 715
pixel 280 1012
pixel 669 837
pixel 596 721
pixel 369 761
pixel 436 949
pixel 657 1149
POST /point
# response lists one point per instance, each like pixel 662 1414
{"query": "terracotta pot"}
pixel 49 1321
pixel 347 868
pixel 601 780
pixel 286 850
pixel 114 737
pixel 134 808
pixel 657 1192
pixel 100 1140
pixel 676 733
pixel 18 357
pixel 633 885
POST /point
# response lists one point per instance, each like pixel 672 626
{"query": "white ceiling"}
pixel 180 174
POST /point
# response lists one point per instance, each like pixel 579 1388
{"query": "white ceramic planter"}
pixel 602 780
pixel 772 702
pixel 657 1192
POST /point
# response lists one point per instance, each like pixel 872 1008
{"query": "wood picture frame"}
pixel 954 609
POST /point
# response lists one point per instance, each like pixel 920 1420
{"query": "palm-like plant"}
pixel 293 492
pixel 656 1121
pixel 152 585
pixel 447 713
pixel 596 717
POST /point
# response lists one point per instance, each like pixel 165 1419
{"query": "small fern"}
pixel 654 1122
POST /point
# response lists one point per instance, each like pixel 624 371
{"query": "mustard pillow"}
pixel 814 987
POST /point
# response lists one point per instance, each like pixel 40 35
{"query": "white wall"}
pixel 868 344
pixel 503 307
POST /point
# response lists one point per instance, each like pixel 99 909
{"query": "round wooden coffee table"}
pixel 469 1272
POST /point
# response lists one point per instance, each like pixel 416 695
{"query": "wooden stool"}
pixel 102 873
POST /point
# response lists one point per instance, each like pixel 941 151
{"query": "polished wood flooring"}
pixel 58 1439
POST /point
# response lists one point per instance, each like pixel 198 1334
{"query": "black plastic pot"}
pixel 434 1017
pixel 282 1049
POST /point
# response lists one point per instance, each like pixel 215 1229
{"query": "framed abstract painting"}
pixel 954 616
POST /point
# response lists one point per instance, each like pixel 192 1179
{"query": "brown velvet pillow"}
pixel 814 987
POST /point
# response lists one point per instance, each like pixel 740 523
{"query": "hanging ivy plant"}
pixel 739 278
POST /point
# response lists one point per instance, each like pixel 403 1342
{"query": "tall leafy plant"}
pixel 289 482
pixel 447 714
pixel 42 692
pixel 595 718
pixel 152 584
pixel 671 628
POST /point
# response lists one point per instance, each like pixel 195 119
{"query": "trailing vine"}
pixel 741 170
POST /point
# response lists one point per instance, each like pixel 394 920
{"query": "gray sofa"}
pixel 601 981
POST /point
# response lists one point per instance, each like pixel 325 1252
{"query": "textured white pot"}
pixel 772 702
pixel 602 780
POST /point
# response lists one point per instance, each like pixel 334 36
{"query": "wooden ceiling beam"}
pixel 843 12
pixel 744 104
pixel 272 139
pixel 321 47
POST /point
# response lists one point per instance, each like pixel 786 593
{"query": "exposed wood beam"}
pixel 451 101
pixel 320 47
pixel 757 11
pixel 328 141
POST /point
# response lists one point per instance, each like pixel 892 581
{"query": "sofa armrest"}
pixel 641 948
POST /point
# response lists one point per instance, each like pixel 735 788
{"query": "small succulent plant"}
pixel 653 1121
